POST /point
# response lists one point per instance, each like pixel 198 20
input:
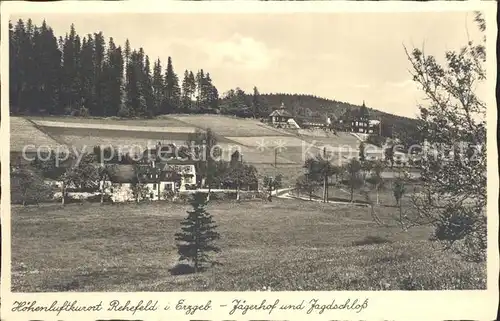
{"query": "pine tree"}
pixel 98 81
pixel 51 64
pixel 127 51
pixel 87 76
pixel 172 94
pixel 14 70
pixel 147 89
pixel 212 95
pixel 71 85
pixel 112 75
pixel 186 92
pixel 199 82
pixel 198 232
pixel 256 103
pixel 158 87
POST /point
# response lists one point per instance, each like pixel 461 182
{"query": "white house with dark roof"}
pixel 165 177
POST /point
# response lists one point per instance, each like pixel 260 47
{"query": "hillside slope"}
pixel 25 134
pixel 313 106
pixel 260 144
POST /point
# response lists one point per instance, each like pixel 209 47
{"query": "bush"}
pixel 371 240
pixel 464 229
pixel 182 269
pixel 97 199
pixel 27 187
pixel 376 140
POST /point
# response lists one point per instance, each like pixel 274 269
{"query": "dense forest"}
pixel 88 75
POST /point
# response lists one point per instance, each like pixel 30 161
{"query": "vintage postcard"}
pixel 249 161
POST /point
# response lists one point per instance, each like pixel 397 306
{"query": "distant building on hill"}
pixel 359 122
pixel 282 118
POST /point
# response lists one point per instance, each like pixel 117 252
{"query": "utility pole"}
pixel 275 157
pixel 325 177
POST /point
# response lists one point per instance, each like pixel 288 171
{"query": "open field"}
pixel 23 133
pixel 160 121
pixel 230 126
pixel 283 245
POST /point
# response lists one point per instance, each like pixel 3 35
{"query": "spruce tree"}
pixel 210 93
pixel 99 82
pixel 112 80
pixel 147 89
pixel 86 74
pixel 198 233
pixel 199 81
pixel 256 103
pixel 192 87
pixel 186 92
pixel 158 88
pixel 172 90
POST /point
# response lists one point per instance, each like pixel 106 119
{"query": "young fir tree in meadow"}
pixel 198 234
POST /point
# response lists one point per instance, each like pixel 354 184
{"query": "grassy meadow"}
pixel 281 245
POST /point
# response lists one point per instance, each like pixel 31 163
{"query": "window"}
pixel 154 186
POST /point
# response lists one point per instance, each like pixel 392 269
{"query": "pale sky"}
pixel 344 56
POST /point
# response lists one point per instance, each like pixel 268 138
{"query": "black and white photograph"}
pixel 249 151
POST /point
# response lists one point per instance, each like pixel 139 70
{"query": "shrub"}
pixel 27 187
pixel 376 140
pixel 370 239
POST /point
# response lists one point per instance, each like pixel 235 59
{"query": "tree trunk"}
pixel 377 197
pixel 238 192
pixel 102 192
pixel 325 184
pixel 63 193
pixel 352 194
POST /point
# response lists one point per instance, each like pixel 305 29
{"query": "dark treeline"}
pixel 91 76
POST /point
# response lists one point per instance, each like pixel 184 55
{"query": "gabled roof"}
pixel 121 173
pixel 127 174
pixel 281 113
